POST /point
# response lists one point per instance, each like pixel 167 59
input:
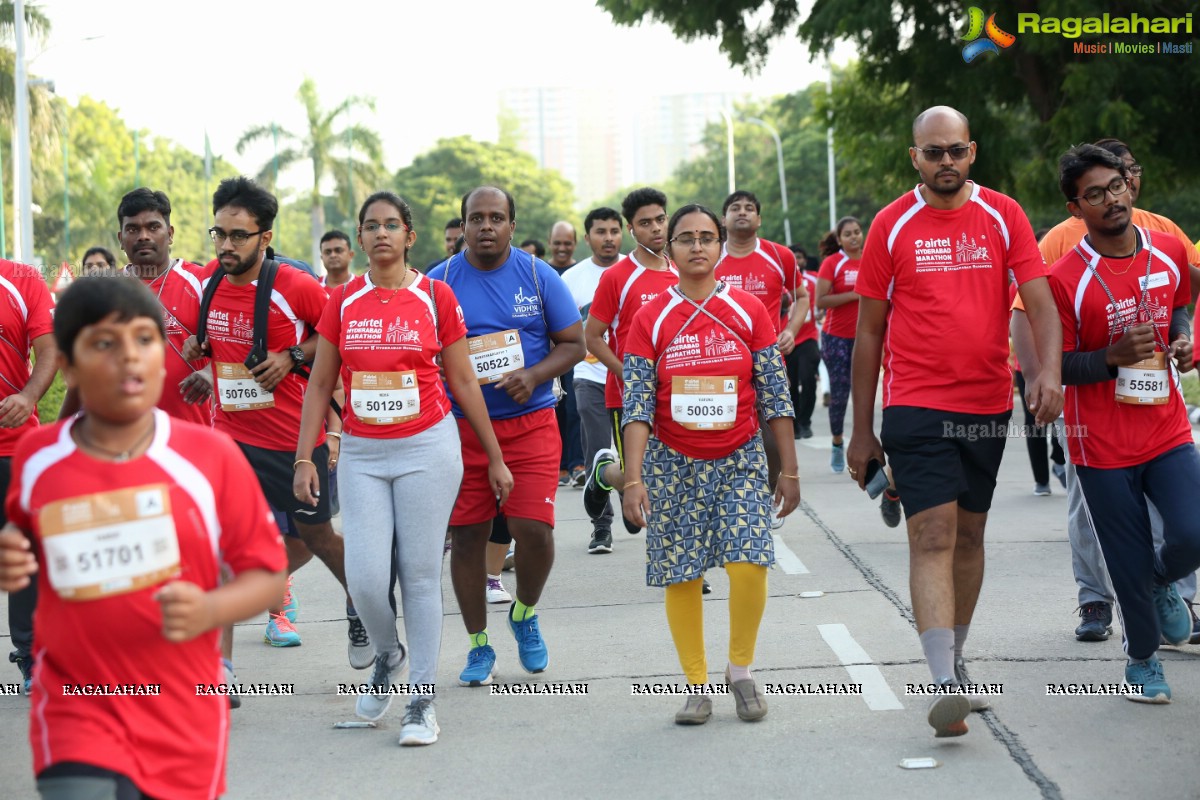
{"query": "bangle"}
pixel 793 477
pixel 631 483
pixel 300 461
pixel 334 434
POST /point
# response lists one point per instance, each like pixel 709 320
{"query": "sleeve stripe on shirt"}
pixel 349 300
pixel 189 277
pixel 904 218
pixel 185 474
pixel 758 248
pixel 675 300
pixel 279 300
pixel 42 460
pixel 17 296
pixel 741 312
pixel 633 276
pixel 996 215
pixel 838 267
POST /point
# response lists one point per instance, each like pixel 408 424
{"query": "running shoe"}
pixel 825 400
pixel 979 702
pixel 806 431
pixel 359 649
pixel 1041 490
pixel 373 706
pixel 889 508
pixel 24 662
pixel 1095 622
pixel 235 700
pixel 281 632
pixel 601 543
pixel 578 477
pixel 496 593
pixel 595 493
pixel 509 558
pixel 291 606
pixel 705 588
pixel 1149 675
pixel 1195 638
pixel 1174 617
pixel 419 724
pixel 948 713
pixel 563 477
pixel 1060 472
pixel 481 666
pixel 448 545
pixel 837 458
pixel 531 649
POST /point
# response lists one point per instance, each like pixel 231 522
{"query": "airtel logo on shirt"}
pixel 648 296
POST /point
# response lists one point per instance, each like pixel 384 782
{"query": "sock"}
pixel 960 638
pixel 493 577
pixel 521 612
pixel 737 673
pixel 892 494
pixel 938 644
pixel 838 446
pixel 350 612
pixel 479 639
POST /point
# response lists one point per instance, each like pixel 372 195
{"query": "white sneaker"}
pixel 358 648
pixel 373 706
pixel 509 563
pixel 420 724
pixel 496 593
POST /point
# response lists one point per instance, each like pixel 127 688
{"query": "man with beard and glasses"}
pixel 934 276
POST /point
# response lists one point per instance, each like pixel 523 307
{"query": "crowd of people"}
pixel 215 412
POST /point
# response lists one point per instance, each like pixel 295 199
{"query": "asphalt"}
pixel 606 629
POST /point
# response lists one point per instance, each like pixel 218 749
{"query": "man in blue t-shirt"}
pixel 523 330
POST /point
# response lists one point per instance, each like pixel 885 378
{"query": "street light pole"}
pixel 787 223
pixel 725 112
pixel 23 185
pixel 829 144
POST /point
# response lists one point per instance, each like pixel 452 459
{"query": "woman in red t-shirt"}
pixel 841 248
pixel 699 361
pixel 401 463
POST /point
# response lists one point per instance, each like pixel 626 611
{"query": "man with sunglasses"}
pixel 934 275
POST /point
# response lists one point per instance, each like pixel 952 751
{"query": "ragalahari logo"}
pixel 996 40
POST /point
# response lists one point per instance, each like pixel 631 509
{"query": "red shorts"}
pixel 532 450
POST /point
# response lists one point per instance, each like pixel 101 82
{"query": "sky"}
pixel 434 69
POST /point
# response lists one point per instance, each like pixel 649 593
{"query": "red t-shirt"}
pixel 179 290
pixel 842 272
pixel 1102 432
pixel 297 302
pixel 768 273
pixel 392 384
pixel 946 275
pixel 809 329
pixel 26 312
pixel 693 417
pixel 191 478
pixel 624 288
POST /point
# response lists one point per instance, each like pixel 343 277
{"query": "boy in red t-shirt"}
pixel 126 518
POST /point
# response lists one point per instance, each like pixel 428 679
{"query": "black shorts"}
pixel 615 414
pixel 274 471
pixel 938 457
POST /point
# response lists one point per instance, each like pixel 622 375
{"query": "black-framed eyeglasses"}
pixel 1135 170
pixel 1095 195
pixel 935 154
pixel 238 238
pixel 687 240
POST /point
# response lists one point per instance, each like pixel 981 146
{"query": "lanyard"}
pixel 701 308
pixel 1142 305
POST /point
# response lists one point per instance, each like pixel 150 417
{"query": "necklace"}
pixel 396 291
pixel 113 454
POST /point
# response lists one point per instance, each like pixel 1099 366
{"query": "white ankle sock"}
pixel 737 673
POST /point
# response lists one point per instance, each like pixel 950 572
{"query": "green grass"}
pixel 52 401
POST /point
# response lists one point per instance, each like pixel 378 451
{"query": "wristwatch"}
pixel 297 355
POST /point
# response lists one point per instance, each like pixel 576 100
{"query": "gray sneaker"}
pixel 948 713
pixel 751 705
pixel 373 706
pixel 696 711
pixel 978 702
pixel 358 648
pixel 419 725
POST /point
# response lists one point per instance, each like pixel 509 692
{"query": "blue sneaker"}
pixel 281 632
pixel 530 647
pixel 24 662
pixel 1149 675
pixel 291 606
pixel 1174 618
pixel 481 666
pixel 837 459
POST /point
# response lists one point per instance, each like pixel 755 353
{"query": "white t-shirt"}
pixel 582 279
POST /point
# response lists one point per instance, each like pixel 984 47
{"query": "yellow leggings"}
pixel 685 615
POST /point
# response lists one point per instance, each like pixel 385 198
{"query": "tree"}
pixel 436 181
pixel 326 150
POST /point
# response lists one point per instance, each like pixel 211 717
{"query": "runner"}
pixel 387 333
pixel 699 360
pixel 1122 294
pixel 26 327
pixel 841 248
pixel 570 469
pixel 602 230
pixel 260 392
pixel 804 361
pixel 180 501
pixel 337 254
pixel 935 273
pixel 624 289
pixel 523 330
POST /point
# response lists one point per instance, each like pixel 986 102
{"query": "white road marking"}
pixel 788 561
pixel 876 693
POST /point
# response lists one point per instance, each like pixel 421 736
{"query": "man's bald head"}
pixel 562 244
pixel 493 190
pixel 939 117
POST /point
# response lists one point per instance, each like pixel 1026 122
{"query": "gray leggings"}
pixel 398 494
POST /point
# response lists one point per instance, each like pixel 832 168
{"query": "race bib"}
pixel 109 543
pixel 385 398
pixel 1146 383
pixel 238 391
pixel 494 355
pixel 704 404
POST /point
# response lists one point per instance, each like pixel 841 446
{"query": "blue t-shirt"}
pixel 508 298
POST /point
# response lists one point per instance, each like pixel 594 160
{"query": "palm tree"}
pixel 328 151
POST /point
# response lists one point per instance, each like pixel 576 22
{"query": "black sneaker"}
pixel 889 508
pixel 705 588
pixel 806 431
pixel 1096 625
pixel 595 494
pixel 601 543
pixel 1195 637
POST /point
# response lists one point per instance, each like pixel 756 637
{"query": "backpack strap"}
pixel 262 304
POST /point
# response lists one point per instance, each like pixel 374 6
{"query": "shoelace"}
pixel 358 633
pixel 282 623
pixel 531 635
pixel 476 657
pixel 1091 611
pixel 415 713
